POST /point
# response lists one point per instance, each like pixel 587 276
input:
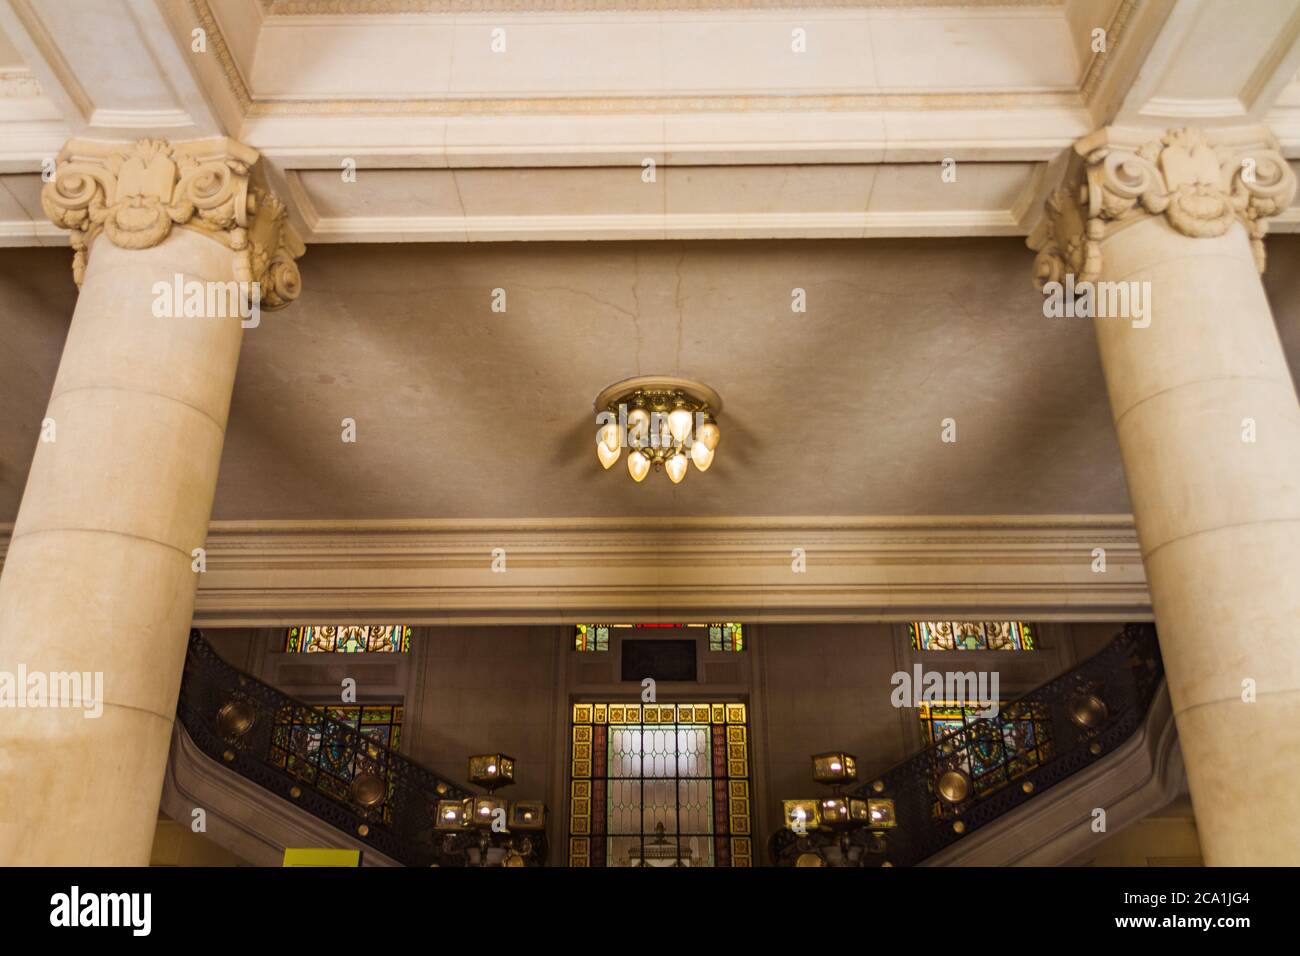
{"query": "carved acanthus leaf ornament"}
pixel 134 194
pixel 1201 185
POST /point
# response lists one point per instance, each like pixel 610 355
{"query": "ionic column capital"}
pixel 134 193
pixel 1201 182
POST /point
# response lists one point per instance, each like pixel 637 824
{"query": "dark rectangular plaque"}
pixel 660 660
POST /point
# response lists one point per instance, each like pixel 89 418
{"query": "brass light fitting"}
pixel 665 423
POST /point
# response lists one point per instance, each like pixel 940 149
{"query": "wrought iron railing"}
pixel 338 773
pixel 969 778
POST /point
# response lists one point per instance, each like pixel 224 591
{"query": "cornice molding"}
pixel 133 194
pixel 252 107
pixel 1201 182
pixel 1099 65
pixel 272 573
pixel 435 571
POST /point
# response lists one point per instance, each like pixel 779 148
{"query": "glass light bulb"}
pixel 679 423
pixel 638 466
pixel 710 434
pixel 609 436
pixel 638 426
pixel 606 456
pixel 676 467
pixel 701 454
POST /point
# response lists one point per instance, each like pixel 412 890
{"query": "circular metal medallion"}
pixel 235 718
pixel 1088 711
pixel 367 790
pixel 953 786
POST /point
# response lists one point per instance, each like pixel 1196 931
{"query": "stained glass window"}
pixel 992 751
pixel 595 637
pixel 660 785
pixel 726 637
pixel 325 753
pixel 348 639
pixel 971 636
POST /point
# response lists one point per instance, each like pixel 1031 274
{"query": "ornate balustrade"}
pixel 334 771
pixel 974 775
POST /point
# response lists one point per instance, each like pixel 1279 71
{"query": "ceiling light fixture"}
pixel 665 423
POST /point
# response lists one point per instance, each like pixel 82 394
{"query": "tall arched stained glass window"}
pixel 971 636
pixel 348 639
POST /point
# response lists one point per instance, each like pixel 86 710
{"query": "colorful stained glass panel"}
pixel 593 638
pixel 971 636
pixel 992 751
pixel 348 639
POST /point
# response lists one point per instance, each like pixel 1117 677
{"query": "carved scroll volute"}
pixel 135 193
pixel 1200 186
pixel 271 250
pixel 1262 185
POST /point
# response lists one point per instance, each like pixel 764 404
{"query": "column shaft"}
pixel 98 577
pixel 1209 429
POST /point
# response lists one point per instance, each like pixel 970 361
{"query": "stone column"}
pixel 1209 430
pixel 100 576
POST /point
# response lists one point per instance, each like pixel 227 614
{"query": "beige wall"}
pixel 899 335
pixel 1165 838
pixel 175 844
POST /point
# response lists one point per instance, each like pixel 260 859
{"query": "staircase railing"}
pixel 988 768
pixel 338 773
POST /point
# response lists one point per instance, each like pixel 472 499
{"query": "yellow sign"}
pixel 315 857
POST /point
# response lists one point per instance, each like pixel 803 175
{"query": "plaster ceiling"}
pixel 466 413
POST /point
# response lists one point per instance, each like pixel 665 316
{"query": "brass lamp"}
pixel 452 814
pixel 491 771
pixel 801 814
pixel 483 810
pixel 486 829
pixel 839 820
pixel 880 814
pixel 528 815
pixel 835 768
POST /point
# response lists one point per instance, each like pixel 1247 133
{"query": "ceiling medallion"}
pixel 664 422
